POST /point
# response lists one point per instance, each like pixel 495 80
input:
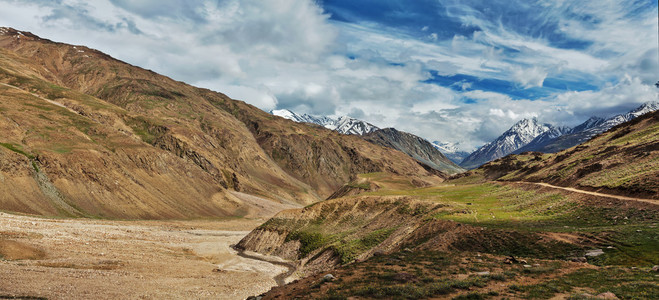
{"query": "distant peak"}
pixel 647 107
pixel 342 124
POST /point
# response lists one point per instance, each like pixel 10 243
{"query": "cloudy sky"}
pixel 448 70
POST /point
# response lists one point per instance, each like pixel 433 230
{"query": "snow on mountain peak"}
pixel 645 108
pixel 342 124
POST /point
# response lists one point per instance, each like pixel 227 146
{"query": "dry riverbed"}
pixel 99 259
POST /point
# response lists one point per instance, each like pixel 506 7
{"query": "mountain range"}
pixel 342 124
pixel 412 145
pixel 585 131
pixel 529 135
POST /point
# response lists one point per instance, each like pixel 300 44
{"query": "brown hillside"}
pixel 100 137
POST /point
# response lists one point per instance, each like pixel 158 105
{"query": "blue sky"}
pixel 459 71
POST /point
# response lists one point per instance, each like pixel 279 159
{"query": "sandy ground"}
pixel 94 259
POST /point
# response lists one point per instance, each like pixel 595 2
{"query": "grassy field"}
pixel 542 227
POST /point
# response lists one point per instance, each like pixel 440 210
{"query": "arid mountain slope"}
pixel 623 160
pixel 414 146
pixel 84 128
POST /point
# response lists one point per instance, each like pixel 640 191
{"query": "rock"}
pixel 655 268
pixel 580 259
pixel 523 261
pixel 405 277
pixel 328 277
pixel 594 252
pixel 407 250
pixel 586 295
pixel 484 273
pixel 607 295
pixel 218 270
pixel 527 266
pixel 510 260
pixel 378 253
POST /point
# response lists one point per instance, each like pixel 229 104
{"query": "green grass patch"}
pixel 625 283
pixel 309 241
pixel 348 251
pixel 18 149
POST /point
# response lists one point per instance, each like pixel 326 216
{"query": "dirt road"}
pixel 93 259
pixel 655 202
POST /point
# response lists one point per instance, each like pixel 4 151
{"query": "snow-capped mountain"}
pixel 587 130
pixel 622 118
pixel 519 135
pixel 590 123
pixel 304 118
pixel 349 125
pixel 544 139
pixel 451 151
pixel 343 124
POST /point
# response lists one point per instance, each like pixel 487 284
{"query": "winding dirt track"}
pixel 651 201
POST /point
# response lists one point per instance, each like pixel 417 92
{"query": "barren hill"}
pixel 88 135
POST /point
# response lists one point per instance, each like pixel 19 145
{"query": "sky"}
pixel 459 71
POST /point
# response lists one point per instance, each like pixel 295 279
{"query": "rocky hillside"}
pixel 86 134
pixel 414 146
pixel 623 160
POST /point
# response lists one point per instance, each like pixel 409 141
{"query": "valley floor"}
pixel 94 259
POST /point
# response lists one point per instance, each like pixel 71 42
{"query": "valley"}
pixel 117 182
pixel 103 259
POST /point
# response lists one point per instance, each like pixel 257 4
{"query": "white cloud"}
pixel 530 77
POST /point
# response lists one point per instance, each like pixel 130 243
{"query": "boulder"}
pixel 594 252
pixel 607 295
pixel 328 277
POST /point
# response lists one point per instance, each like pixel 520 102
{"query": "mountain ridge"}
pixel 412 145
pixel 523 136
pixel 586 130
pixel 164 149
pixel 342 124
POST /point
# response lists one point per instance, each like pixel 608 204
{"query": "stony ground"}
pixel 80 258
